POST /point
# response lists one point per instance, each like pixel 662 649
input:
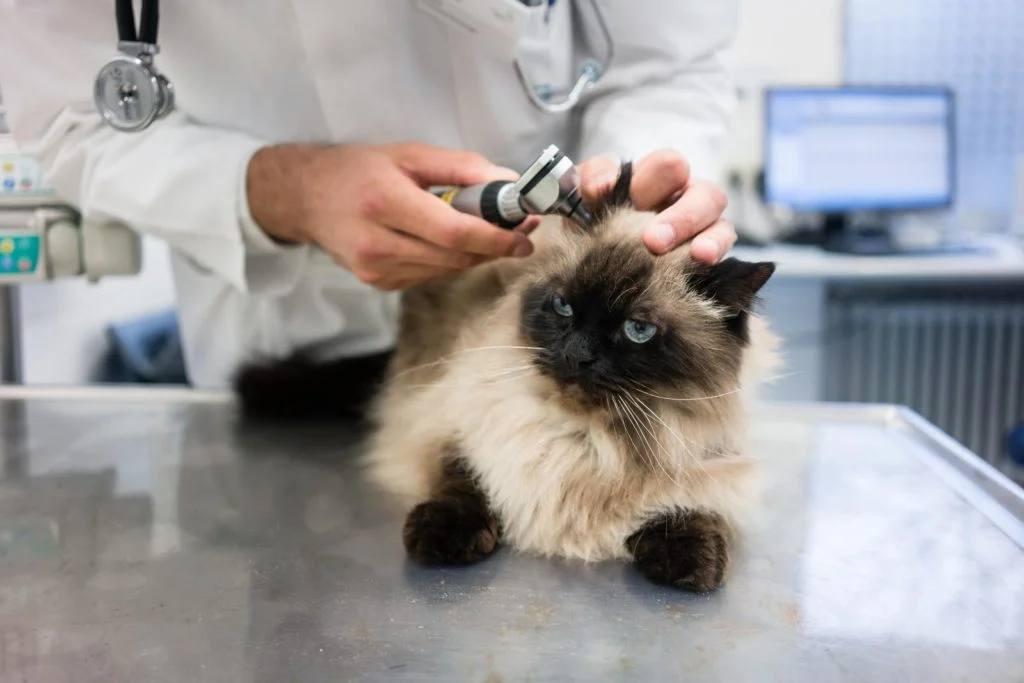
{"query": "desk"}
pixel 997 259
pixel 144 537
pixel 797 298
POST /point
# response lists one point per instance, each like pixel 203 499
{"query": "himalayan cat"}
pixel 588 402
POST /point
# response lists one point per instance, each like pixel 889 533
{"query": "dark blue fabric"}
pixel 145 351
pixel 1015 444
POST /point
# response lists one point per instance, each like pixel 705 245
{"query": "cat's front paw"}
pixel 445 532
pixel 688 550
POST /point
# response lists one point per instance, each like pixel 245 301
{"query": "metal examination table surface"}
pixel 145 537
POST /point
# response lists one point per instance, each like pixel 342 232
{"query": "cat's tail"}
pixel 300 388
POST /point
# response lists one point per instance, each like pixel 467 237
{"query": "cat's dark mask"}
pixel 618 320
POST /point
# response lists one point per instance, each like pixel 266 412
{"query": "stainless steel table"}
pixel 145 537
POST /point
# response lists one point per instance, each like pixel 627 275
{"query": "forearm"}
pixel 277 187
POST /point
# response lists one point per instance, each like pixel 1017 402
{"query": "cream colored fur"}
pixel 560 479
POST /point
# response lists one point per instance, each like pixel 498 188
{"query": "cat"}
pixel 588 402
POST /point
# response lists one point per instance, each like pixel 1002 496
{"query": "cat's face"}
pixel 612 320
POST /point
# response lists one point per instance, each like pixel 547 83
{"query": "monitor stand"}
pixel 842 236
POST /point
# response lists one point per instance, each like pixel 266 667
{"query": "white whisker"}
pixel 501 377
pixel 456 354
pixel 784 375
pixel 518 376
pixel 681 440
pixel 621 294
pixel 651 431
pixel 505 371
pixel 643 453
pixel 643 390
pixel 640 453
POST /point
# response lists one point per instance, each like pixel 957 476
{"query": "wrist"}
pixel 277 191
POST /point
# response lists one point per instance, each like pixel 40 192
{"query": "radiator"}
pixel 956 356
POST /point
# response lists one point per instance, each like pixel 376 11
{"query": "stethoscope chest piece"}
pixel 129 92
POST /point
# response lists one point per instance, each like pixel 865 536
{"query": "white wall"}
pixel 781 42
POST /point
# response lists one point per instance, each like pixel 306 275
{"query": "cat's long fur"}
pixel 564 474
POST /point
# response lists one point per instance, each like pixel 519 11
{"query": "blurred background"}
pixel 877 157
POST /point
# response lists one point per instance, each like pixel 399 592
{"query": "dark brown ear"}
pixel 732 283
pixel 617 197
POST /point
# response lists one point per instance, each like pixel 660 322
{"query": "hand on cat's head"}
pixel 688 208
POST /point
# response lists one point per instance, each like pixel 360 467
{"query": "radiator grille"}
pixel 956 356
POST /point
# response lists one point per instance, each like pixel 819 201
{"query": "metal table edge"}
pixel 991 492
pixel 984 487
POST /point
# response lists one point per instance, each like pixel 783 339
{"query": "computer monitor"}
pixel 845 149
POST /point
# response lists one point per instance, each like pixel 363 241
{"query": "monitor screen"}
pixel 849 149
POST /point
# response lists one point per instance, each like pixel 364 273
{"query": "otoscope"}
pixel 551 185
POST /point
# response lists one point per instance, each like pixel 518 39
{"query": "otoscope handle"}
pixel 551 185
pixel 496 202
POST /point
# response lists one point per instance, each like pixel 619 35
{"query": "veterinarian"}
pixel 289 178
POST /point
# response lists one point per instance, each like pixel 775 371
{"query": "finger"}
pixel 597 176
pixel 418 276
pixel 380 257
pixel 411 210
pixel 700 206
pixel 398 284
pixel 414 274
pixel 390 249
pixel 658 179
pixel 713 243
pixel 431 165
pixel 529 225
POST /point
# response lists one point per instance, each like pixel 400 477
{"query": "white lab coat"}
pixel 247 74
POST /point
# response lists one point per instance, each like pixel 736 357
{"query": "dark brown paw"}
pixel 689 550
pixel 442 532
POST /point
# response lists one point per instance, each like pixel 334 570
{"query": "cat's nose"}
pixel 580 360
pixel 579 354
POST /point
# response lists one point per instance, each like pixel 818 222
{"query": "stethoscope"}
pixel 131 93
pixel 544 98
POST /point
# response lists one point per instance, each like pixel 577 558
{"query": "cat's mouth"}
pixel 578 399
pixel 581 386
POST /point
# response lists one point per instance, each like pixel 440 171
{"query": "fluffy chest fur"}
pixel 563 484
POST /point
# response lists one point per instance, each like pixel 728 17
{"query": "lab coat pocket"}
pixel 545 53
pixel 496 115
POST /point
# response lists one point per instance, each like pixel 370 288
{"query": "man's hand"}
pixel 367 207
pixel 687 208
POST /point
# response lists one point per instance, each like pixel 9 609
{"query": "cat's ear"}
pixel 732 283
pixel 616 197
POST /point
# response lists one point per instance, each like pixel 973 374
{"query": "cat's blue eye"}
pixel 561 307
pixel 639 332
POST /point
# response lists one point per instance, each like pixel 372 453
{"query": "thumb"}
pixel 597 176
pixel 430 165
